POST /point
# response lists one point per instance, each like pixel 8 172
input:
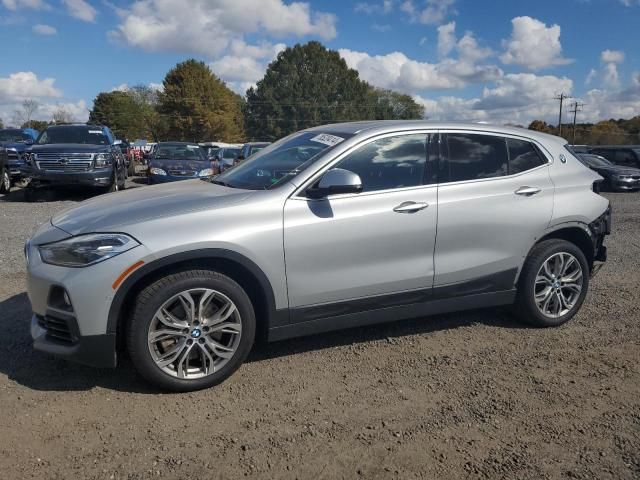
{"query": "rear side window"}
pixel 625 157
pixel 475 156
pixel 523 156
pixel 391 162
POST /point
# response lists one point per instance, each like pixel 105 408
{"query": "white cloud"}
pixel 593 73
pixel 81 10
pixel 382 28
pixel 245 64
pixel 25 85
pixel 208 27
pixel 396 71
pixel 610 76
pixel 612 56
pixel 446 38
pixel 15 5
pixel 533 45
pixel 78 110
pixel 42 29
pixel 432 12
pixel 371 8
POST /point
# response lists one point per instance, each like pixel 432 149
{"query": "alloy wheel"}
pixel 6 181
pixel 194 333
pixel 558 285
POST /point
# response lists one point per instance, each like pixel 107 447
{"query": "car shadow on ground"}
pixel 37 195
pixel 43 372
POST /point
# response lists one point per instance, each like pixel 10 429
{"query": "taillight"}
pixel 597 186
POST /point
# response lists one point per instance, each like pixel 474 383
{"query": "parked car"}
pixel 16 141
pixel 616 177
pixel 127 153
pixel 173 161
pixel 333 227
pixel 625 155
pixel 5 177
pixel 225 158
pixel 250 148
pixel 76 155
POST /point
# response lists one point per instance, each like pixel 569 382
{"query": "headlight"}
pixel 207 172
pixel 85 250
pixel 157 171
pixel 102 160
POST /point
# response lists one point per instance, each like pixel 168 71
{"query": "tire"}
pixel 5 181
pixel 532 296
pixel 166 294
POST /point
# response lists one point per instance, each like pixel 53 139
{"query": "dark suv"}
pixel 625 155
pixel 76 155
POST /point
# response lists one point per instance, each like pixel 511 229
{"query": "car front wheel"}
pixel 191 330
pixel 5 181
pixel 553 283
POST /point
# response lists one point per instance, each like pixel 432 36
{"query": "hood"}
pixel 617 170
pixel 180 164
pixel 69 148
pixel 17 146
pixel 112 212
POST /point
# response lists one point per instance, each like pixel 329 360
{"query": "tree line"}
pixel 306 85
pixel 606 132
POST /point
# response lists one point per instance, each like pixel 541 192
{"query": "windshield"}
pixel 87 135
pixel 178 152
pixel 230 152
pixel 13 136
pixel 595 161
pixel 275 164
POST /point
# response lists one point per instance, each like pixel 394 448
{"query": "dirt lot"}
pixel 471 395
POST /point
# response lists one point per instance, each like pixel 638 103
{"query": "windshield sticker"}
pixel 99 132
pixel 327 139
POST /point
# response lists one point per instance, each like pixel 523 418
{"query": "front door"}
pixel 371 244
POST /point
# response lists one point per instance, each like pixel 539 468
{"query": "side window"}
pixel 625 157
pixel 473 156
pixel 523 156
pixel 392 162
pixel 608 154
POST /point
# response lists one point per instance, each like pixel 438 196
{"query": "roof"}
pixel 614 146
pixel 383 126
pixel 257 143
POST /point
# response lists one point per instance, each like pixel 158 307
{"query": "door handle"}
pixel 527 191
pixel 410 207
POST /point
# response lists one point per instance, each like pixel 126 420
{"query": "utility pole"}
pixel 577 107
pixel 562 97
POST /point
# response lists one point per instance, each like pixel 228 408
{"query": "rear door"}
pixel 495 197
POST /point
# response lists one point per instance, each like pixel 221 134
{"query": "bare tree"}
pixel 23 116
pixel 62 115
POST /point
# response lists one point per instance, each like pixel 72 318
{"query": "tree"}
pixel 542 126
pixel 390 105
pixel 306 85
pixel 1 123
pixel 24 115
pixel 195 105
pixel 120 111
pixel 607 133
pixel 61 115
pixel 38 125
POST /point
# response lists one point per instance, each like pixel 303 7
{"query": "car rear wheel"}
pixel 191 330
pixel 5 181
pixel 553 283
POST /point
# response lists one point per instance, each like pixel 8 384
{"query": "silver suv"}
pixel 332 227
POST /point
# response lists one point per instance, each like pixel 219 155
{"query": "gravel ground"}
pixel 471 395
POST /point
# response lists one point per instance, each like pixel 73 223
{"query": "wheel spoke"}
pixel 219 349
pixel 207 360
pixel 171 355
pixel 221 315
pixel 182 371
pixel 188 305
pixel 205 301
pixel 543 295
pixel 164 316
pixel 227 327
pixel 160 335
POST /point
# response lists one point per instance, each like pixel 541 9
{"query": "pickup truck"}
pixel 13 144
pixel 76 155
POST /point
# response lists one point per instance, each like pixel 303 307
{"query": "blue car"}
pixel 172 161
pixel 15 141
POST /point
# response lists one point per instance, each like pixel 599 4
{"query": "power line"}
pixel 577 107
pixel 562 97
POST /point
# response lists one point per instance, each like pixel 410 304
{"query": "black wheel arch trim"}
pixel 274 317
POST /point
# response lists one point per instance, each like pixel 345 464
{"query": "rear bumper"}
pixel 96 178
pixel 600 228
pixel 57 334
pixel 627 184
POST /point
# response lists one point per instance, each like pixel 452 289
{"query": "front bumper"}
pixel 50 334
pixel 76 331
pixel 625 184
pixel 95 178
pixel 15 168
pixel 154 179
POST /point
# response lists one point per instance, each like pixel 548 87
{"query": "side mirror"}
pixel 334 182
